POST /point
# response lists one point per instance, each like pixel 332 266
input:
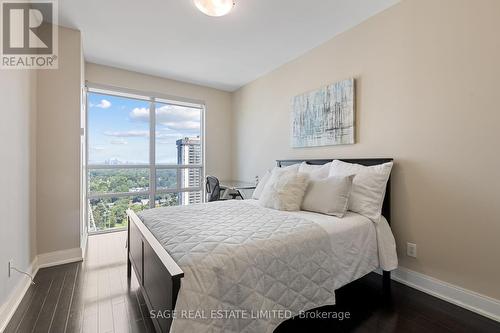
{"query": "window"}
pixel 143 151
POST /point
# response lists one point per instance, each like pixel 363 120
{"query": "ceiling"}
pixel 172 39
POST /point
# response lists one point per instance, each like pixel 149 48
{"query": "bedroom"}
pixel 104 129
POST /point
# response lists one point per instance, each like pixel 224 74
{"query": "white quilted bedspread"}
pixel 245 260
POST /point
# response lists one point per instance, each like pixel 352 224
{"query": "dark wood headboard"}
pixel 386 207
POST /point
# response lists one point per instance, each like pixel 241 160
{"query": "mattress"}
pixel 241 260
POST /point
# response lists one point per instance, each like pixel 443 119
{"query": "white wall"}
pixel 427 94
pixel 17 177
pixel 218 139
pixel 58 148
pixel 39 176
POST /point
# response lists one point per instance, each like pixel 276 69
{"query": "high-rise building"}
pixel 189 152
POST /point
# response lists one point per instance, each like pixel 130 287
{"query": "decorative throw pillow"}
pixel 315 171
pixel 368 186
pixel 260 186
pixel 263 181
pixel 284 190
pixel 328 196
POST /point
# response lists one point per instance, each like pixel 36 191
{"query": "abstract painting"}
pixel 325 116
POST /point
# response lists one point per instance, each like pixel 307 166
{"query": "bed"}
pixel 235 266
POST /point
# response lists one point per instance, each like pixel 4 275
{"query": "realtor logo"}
pixel 29 34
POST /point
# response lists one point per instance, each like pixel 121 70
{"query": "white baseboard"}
pixel 10 306
pixel 83 244
pixel 8 309
pixel 60 257
pixel 470 300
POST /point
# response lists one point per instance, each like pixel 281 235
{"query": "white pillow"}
pixel 328 196
pixel 284 190
pixel 368 186
pixel 315 171
pixel 262 182
pixel 260 186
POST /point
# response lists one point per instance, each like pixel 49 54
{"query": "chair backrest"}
pixel 213 188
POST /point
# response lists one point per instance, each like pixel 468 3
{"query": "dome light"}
pixel 214 7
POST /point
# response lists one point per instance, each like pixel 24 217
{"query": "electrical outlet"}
pixel 411 250
pixel 11 264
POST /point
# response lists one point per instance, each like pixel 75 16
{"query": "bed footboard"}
pixel 158 275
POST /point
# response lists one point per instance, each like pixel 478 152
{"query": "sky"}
pixel 118 129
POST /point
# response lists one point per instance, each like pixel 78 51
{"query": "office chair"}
pixel 213 189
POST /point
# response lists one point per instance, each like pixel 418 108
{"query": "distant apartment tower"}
pixel 189 152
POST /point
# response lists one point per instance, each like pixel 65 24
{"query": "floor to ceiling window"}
pixel 143 151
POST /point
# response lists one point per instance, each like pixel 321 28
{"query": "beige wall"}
pixel 218 103
pixel 427 94
pixel 17 176
pixel 58 148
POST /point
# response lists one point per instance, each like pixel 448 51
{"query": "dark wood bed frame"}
pixel 159 275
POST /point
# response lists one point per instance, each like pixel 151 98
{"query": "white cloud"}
pixel 98 148
pixel 104 104
pixel 182 125
pixel 126 134
pixel 141 114
pixel 119 142
pixel 164 134
pixel 172 116
pixel 166 139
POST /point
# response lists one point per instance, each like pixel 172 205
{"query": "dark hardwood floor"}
pixel 95 296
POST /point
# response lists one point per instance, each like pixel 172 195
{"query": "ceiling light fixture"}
pixel 214 7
